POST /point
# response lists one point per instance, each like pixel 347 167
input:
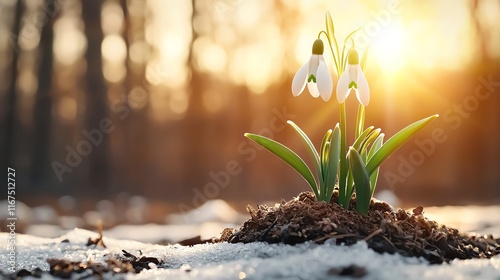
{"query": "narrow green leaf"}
pixel 360 121
pixel 333 162
pixel 330 32
pixel 362 137
pixel 287 156
pixel 369 139
pixel 374 148
pixel 350 186
pixel 395 142
pixel 326 139
pixel 330 28
pixel 361 181
pixel 325 157
pixel 343 158
pixel 364 154
pixel 373 180
pixel 311 150
pixel 376 145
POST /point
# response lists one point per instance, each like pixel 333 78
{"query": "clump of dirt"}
pixel 62 268
pixel 384 229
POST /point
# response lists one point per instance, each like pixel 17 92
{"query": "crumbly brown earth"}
pixel 384 229
pixel 62 268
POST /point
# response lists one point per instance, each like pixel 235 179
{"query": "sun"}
pixel 389 48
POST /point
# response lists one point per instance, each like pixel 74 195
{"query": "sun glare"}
pixel 389 48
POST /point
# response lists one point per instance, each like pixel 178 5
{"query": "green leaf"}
pixel 326 139
pixel 361 181
pixel 395 142
pixel 369 139
pixel 360 120
pixel 311 150
pixel 343 200
pixel 325 157
pixel 349 186
pixel 330 32
pixel 362 137
pixel 375 147
pixel 287 156
pixel 333 162
pixel 373 180
pixel 363 154
pixel 330 28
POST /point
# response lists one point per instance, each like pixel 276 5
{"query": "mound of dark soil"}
pixel 385 230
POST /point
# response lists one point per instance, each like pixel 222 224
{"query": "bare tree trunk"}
pixel 482 34
pixel 137 126
pixel 10 123
pixel 42 117
pixel 194 148
pixel 96 97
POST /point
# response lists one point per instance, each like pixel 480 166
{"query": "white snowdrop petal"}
pixel 313 64
pixel 343 87
pixel 313 89
pixel 324 80
pixel 363 92
pixel 299 80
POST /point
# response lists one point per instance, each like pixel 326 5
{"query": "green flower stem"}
pixel 330 44
pixel 343 159
pixel 360 121
pixel 343 63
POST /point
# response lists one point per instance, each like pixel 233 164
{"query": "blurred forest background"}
pixel 151 98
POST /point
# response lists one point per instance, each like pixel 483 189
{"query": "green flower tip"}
pixel 353 57
pixel 318 47
pixel 311 78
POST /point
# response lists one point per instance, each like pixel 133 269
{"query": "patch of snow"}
pixel 136 212
pixel 171 233
pixel 389 197
pixel 23 211
pixel 70 222
pixel 49 231
pixel 44 214
pixel 211 211
pixel 479 219
pixel 244 261
pixel 92 217
pixel 153 232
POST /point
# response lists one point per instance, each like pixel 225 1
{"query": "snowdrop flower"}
pixel 353 77
pixel 315 73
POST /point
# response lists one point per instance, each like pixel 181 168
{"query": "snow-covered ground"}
pixel 242 261
pixel 245 261
pixel 478 219
pixel 207 221
pixel 212 217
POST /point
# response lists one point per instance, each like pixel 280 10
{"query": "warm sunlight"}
pixel 389 48
pixel 250 139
